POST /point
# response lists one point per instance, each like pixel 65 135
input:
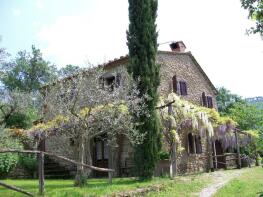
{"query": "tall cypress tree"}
pixel 142 44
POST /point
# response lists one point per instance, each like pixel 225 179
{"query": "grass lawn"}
pixel 248 184
pixel 63 188
pixel 189 185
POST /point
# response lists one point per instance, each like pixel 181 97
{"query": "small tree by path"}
pixel 84 106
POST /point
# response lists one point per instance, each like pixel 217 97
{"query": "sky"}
pixel 83 32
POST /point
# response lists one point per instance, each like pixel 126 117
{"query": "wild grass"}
pixel 248 184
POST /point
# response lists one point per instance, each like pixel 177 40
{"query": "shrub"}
pixel 28 162
pixel 8 160
pixel 163 155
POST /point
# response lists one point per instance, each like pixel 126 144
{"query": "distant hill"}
pixel 257 101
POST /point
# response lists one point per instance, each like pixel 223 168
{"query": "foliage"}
pixel 163 155
pixel 80 107
pixel 246 185
pixel 28 72
pixel 185 115
pixel 255 9
pixel 29 162
pixel 17 109
pixel 247 116
pixel 225 100
pixel 142 44
pixel 8 160
pixel 68 70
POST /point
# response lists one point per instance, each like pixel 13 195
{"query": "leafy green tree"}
pixel 247 116
pixel 28 72
pixel 225 99
pixel 255 9
pixel 68 70
pixel 142 44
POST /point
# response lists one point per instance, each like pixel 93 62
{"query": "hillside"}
pixel 257 101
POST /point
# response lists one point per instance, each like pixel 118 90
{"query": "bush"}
pixel 163 155
pixel 28 162
pixel 8 160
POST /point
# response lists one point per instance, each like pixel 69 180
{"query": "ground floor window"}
pixel 194 144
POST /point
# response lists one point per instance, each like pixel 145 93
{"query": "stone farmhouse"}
pixel 179 73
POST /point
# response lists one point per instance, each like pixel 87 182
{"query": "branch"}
pixel 15 189
pixel 57 156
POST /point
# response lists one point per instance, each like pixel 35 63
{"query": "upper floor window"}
pixel 204 100
pixel 183 88
pixel 209 101
pixel 109 81
pixel 174 84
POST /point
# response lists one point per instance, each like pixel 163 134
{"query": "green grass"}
pixel 63 188
pixel 185 186
pixel 248 184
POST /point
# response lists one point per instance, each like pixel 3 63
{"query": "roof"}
pixel 124 59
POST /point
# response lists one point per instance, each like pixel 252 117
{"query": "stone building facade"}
pixel 179 73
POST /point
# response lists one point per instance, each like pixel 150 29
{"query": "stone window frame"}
pixel 110 81
pixel 194 144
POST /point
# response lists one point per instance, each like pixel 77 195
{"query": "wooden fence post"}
pixel 238 151
pixel 41 177
pixel 209 150
pixel 215 156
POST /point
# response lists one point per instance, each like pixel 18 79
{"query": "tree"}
pixel 14 109
pixel 28 72
pixel 85 109
pixel 68 70
pixel 142 44
pixel 255 9
pixel 225 99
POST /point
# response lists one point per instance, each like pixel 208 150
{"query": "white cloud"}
pixel 16 12
pixel 213 30
pixel 40 4
pixel 95 36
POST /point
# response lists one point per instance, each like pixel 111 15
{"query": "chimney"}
pixel 178 46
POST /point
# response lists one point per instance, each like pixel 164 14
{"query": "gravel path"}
pixel 220 179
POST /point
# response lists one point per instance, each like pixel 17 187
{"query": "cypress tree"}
pixel 142 44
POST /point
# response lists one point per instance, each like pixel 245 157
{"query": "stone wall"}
pixel 183 66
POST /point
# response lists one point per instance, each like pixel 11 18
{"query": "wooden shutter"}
pixel 204 100
pixel 209 102
pixel 174 84
pixel 183 88
pixel 118 80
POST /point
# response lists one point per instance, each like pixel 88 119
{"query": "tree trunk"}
pixel 173 164
pixel 81 178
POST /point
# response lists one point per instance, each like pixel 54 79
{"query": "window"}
pixel 194 144
pixel 174 84
pixel 209 101
pixel 183 88
pixel 191 146
pixel 198 145
pixel 204 100
pixel 109 81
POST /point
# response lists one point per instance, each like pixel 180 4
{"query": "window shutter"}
pixel 183 88
pixel 204 100
pixel 118 80
pixel 174 84
pixel 209 102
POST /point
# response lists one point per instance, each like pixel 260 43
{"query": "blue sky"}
pixel 94 31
